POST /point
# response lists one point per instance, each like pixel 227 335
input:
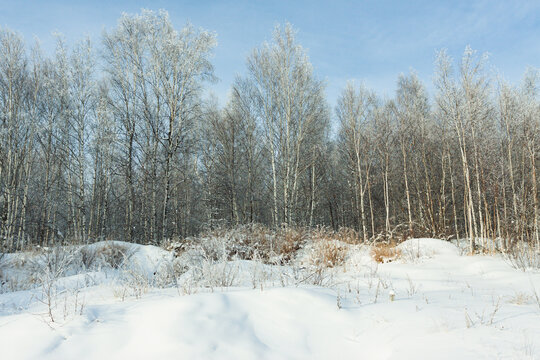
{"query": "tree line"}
pixel 119 142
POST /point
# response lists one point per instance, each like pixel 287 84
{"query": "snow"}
pixel 428 247
pixel 446 306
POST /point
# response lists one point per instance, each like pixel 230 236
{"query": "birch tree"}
pixel 291 109
pixel 355 112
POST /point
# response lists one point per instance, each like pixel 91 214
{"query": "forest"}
pixel 118 140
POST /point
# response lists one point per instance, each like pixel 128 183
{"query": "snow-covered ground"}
pixel 445 306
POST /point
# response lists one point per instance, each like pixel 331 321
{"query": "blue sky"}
pixel 366 41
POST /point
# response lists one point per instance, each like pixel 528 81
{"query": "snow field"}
pixel 446 306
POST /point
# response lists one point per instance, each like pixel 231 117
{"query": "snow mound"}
pixel 129 304
pixel 279 323
pixel 427 248
pixel 143 258
pixel 150 258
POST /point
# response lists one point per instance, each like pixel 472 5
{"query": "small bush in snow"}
pixel 47 268
pixel 176 246
pixel 89 256
pixel 113 254
pixel 520 298
pixel 223 274
pixel 290 241
pixel 384 253
pixel 328 253
pixel 136 281
pixel 348 235
pixel 55 262
pixel 523 256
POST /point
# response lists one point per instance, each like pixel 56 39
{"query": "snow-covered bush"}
pixel 327 253
pixel 55 262
pixel 46 268
pixel 115 254
pixel 523 256
pixel 289 241
pixel 88 256
pixel 348 235
pixel 112 254
pixel 327 247
pixel 385 252
pixel 218 274
pixel 3 264
pixel 134 281
pixel 244 242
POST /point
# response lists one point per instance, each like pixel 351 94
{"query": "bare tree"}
pixel 291 109
pixel 355 112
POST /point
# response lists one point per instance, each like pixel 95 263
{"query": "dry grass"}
pixel 258 241
pixel 176 246
pixel 88 256
pixel 328 253
pixel 345 235
pixel 523 256
pixel 385 253
pixel 330 247
pixel 114 254
pixel 290 240
pixel 258 238
pixel 348 235
pixel 520 298
pixel 244 242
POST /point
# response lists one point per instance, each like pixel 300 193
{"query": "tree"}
pixel 156 76
pixel 289 105
pixel 355 113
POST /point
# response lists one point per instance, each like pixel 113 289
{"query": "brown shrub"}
pixel 328 253
pixel 256 241
pixel 244 242
pixel 176 246
pixel 384 252
pixel 290 241
pixel 344 234
pixel 348 235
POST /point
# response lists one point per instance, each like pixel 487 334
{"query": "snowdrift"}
pixel 446 306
